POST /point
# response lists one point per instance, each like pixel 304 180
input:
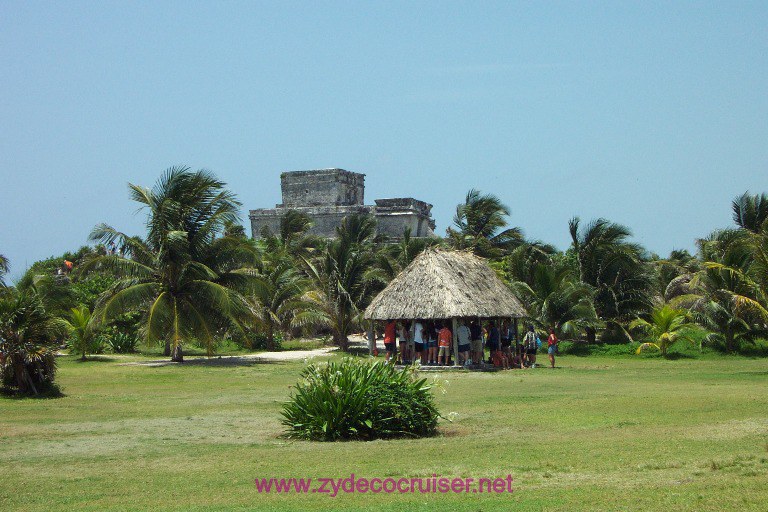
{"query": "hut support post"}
pixel 371 338
pixel 455 326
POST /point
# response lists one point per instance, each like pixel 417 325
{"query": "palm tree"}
pixel 554 296
pixel 479 224
pixel 278 296
pixel 28 340
pixel 344 276
pixel 665 326
pixel 614 267
pixel 183 275
pixel 393 258
pixel 750 212
pixel 725 297
pixel 294 239
pixel 81 330
pixel 3 270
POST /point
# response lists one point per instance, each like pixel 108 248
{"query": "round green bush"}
pixel 357 400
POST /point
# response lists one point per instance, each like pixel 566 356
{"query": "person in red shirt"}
pixel 390 342
pixel 552 346
pixel 444 340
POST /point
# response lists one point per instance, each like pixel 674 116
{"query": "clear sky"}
pixel 654 115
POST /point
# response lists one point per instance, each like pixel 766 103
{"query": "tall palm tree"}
pixel 479 225
pixel 344 276
pixel 725 296
pixel 614 267
pixel 278 297
pixel 556 298
pixel 182 275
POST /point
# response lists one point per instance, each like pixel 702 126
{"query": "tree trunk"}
pixel 270 335
pixel 342 341
pixel 167 349
pixel 178 354
pixel 729 339
pixel 591 335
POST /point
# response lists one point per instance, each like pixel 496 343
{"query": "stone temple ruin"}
pixel 329 195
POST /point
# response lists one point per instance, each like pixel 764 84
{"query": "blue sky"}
pixel 654 115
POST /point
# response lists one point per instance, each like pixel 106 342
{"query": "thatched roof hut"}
pixel 442 284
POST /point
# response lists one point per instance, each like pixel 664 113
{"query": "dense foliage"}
pixel 352 399
pixel 194 277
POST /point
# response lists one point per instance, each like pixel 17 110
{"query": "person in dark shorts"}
pixel 463 335
pixel 476 342
pixel 431 343
pixel 493 339
pixel 390 339
pixel 529 344
pixel 417 335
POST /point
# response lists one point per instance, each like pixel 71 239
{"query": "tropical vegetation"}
pixel 352 399
pixel 194 278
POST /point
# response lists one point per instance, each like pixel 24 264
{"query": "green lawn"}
pixel 598 433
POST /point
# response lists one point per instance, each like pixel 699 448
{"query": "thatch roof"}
pixel 443 284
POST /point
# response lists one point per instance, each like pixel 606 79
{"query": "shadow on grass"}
pixel 95 359
pixel 674 356
pixel 223 361
pixel 49 394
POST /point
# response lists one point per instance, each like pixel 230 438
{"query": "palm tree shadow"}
pixel 224 362
pixel 96 359
pixel 674 356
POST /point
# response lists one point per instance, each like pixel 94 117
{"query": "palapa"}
pixel 442 284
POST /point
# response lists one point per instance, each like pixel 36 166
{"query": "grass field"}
pixel 598 433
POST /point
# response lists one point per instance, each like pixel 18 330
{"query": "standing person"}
pixel 403 335
pixel 476 342
pixel 418 341
pixel 529 345
pixel 444 339
pixel 390 341
pixel 493 340
pixel 431 343
pixel 464 336
pixel 552 346
pixel 506 339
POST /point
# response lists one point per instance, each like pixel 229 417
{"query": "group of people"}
pixel 430 343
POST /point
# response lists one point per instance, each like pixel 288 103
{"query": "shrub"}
pixel 356 400
pixel 120 342
pixel 253 340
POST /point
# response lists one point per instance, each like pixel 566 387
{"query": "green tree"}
pixel 750 212
pixel 81 330
pixel 345 277
pixel 294 239
pixel 394 257
pixel 278 297
pixel 551 291
pixel 183 275
pixel 4 266
pixel 479 225
pixel 28 340
pixel 725 296
pixel 615 268
pixel 664 326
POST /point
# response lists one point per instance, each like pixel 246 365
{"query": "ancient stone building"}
pixel 329 195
